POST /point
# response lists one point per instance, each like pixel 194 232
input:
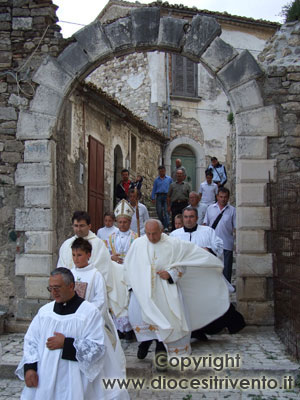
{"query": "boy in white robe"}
pixel 90 285
pixel 109 227
pixel 66 350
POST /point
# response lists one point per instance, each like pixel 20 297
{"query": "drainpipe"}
pixel 168 95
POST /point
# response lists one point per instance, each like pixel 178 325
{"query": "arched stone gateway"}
pixel 145 30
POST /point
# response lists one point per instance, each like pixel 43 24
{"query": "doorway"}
pixel 96 183
pixel 188 161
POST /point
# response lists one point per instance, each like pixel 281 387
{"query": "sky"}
pixel 84 12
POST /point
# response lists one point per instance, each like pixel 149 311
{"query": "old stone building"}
pixel 44 135
pixel 183 99
pixel 96 139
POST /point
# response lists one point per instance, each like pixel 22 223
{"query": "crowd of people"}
pixel 134 280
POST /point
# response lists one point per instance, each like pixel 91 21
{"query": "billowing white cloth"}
pixel 99 258
pixel 203 288
pixel 64 379
pixel 204 236
pixel 96 294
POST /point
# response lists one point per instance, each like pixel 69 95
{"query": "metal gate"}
pixel 285 246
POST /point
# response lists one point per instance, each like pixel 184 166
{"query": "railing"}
pixel 284 243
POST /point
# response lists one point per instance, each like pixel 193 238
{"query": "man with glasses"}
pixel 81 223
pixel 66 349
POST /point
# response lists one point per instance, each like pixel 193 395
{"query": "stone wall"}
pixel 127 79
pixel 27 35
pixel 282 87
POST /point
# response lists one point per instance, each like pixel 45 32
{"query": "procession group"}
pixel 133 281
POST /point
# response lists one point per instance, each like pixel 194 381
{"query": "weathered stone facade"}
pixel 87 113
pixel 144 84
pixel 281 62
pixel 30 232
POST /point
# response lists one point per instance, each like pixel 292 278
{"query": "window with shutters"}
pixel 184 77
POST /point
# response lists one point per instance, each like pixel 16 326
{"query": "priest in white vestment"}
pixel 81 223
pixel 66 350
pixel 165 303
pixel 202 236
pixel 119 244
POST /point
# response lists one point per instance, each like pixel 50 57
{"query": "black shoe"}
pixel 121 335
pixel 143 349
pixel 129 336
pixel 199 336
pixel 161 357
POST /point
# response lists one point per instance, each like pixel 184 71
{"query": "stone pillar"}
pixel 28 34
pixel 254 263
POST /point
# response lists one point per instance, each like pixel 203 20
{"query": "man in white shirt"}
pixel 143 212
pixel 222 217
pixel 194 201
pixel 207 195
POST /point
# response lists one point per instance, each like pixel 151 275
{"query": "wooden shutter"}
pixel 184 76
pixel 96 183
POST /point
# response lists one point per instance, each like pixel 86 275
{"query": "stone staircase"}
pixel 259 351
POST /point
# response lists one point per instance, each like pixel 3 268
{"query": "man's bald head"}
pixel 153 230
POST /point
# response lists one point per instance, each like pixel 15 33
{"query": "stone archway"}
pixel 195 147
pixel 145 30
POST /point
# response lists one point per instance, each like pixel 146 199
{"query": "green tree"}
pixel 291 11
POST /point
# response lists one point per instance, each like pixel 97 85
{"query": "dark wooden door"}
pixel 96 183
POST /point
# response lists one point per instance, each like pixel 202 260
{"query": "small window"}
pixel 184 76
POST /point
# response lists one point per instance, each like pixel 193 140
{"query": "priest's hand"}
pixel 117 258
pixel 31 378
pixel 164 275
pixel 56 342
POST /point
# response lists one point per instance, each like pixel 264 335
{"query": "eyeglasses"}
pixel 53 288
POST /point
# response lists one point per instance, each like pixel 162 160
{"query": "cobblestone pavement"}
pixel 261 355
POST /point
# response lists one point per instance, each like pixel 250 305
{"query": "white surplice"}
pixel 204 291
pixel 204 236
pixel 65 379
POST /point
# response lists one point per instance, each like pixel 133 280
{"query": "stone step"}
pixel 256 352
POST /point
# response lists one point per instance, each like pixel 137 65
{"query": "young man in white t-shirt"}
pixel 208 191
